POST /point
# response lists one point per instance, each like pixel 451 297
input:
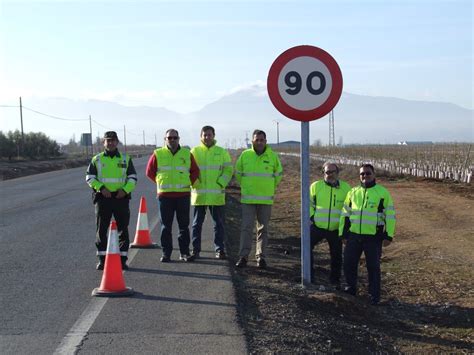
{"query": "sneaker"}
pixel 261 263
pixel 165 259
pixel 242 262
pixel 124 266
pixel 220 254
pixel 185 258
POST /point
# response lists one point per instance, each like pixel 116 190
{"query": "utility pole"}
pixel 156 142
pixel 124 139
pixel 278 131
pixel 90 129
pixel 143 138
pixel 22 134
pixel 246 139
pixel 332 138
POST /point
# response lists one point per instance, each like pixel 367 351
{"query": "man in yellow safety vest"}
pixel 367 223
pixel 258 171
pixel 112 176
pixel 326 200
pixel 208 192
pixel 174 170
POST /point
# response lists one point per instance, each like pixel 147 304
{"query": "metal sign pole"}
pixel 305 231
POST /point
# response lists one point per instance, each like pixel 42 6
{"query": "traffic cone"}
pixel 113 284
pixel 142 235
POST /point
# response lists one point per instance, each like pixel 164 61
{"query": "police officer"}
pixel 367 223
pixel 208 192
pixel 112 176
pixel 258 171
pixel 173 169
pixel 326 200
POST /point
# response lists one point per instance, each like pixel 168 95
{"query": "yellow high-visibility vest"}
pixel 172 173
pixel 215 172
pixel 258 176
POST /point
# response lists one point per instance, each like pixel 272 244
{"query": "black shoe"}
pixel 261 263
pixel 336 285
pixel 374 301
pixel 350 290
pixel 242 262
pixel 101 263
pixel 124 262
pixel 220 254
pixel 165 259
pixel 194 255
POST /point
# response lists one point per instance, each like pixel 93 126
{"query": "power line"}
pixel 55 117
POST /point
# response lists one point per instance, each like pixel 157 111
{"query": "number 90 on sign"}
pixel 305 83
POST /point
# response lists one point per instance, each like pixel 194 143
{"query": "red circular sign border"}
pixel 282 60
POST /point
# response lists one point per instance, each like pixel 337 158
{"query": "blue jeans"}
pixel 168 206
pixel 218 217
pixel 371 245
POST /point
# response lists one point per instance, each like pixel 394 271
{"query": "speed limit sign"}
pixel 304 83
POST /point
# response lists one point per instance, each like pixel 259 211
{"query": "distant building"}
pixel 415 143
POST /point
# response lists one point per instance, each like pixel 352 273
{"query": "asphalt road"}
pixel 47 273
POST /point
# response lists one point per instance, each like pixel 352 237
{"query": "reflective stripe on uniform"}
pixel 91 177
pixel 258 174
pixel 172 186
pixel 112 180
pixel 209 167
pixel 325 219
pixel 206 191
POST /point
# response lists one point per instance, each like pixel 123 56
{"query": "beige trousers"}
pixel 250 212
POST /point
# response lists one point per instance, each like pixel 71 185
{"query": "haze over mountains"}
pixel 358 119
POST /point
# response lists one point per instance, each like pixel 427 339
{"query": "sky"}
pixel 183 55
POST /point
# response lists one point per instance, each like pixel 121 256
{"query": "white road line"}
pixel 74 338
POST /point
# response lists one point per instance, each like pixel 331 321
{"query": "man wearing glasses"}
pixel 258 171
pixel 367 223
pixel 326 200
pixel 174 170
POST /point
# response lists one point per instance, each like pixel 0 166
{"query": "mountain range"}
pixel 358 119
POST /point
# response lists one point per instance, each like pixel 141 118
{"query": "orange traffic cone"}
pixel 113 284
pixel 142 235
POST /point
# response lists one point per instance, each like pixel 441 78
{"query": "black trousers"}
pixel 335 249
pixel 371 245
pixel 105 208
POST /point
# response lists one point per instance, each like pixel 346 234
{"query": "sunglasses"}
pixel 365 174
pixel 172 138
pixel 327 172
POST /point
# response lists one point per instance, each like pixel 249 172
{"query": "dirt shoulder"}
pixel 427 294
pixel 16 169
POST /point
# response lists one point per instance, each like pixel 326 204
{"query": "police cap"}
pixel 110 135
